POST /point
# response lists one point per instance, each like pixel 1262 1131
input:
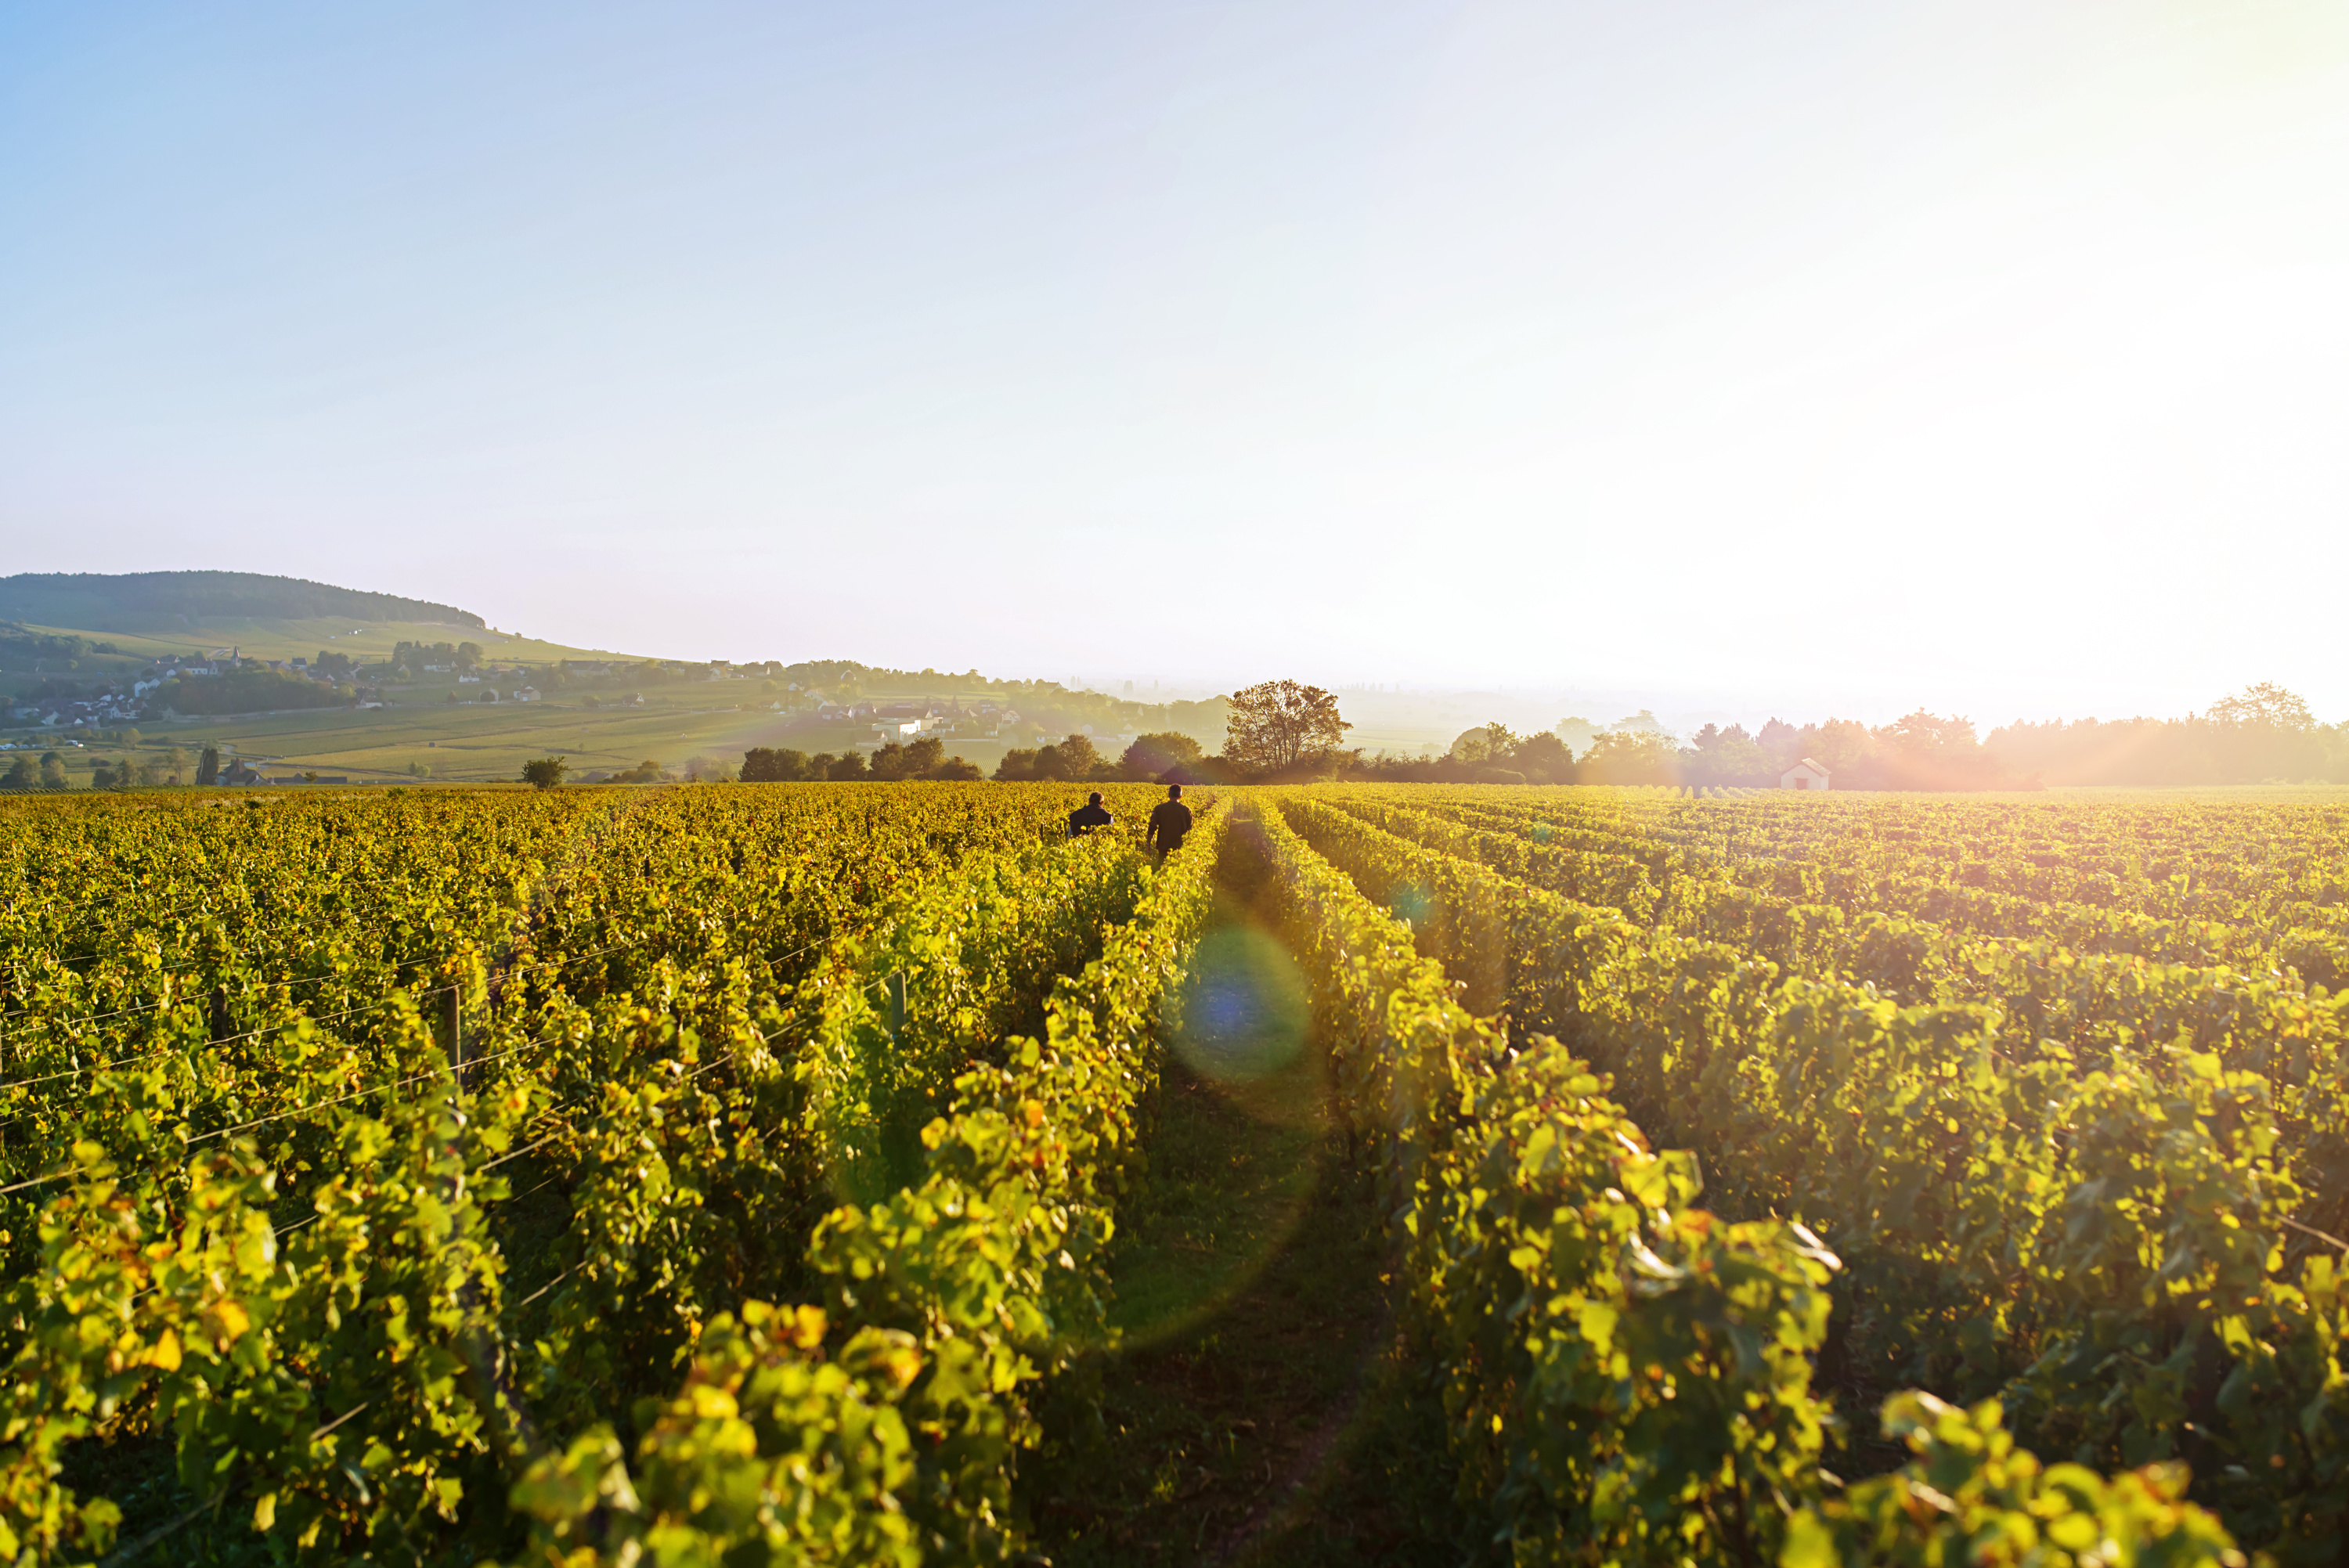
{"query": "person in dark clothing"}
pixel 1089 816
pixel 1169 822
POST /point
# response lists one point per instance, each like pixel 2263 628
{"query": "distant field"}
pixel 470 741
pixel 286 639
pixel 484 741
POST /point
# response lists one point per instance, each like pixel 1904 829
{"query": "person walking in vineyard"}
pixel 1089 816
pixel 1169 821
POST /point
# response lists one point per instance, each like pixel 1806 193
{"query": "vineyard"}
pixel 735 1174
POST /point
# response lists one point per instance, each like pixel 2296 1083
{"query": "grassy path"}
pixel 1258 1411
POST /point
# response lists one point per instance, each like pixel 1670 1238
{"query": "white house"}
pixel 1804 774
pixel 525 693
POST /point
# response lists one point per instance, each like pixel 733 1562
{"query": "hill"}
pixel 143 615
pixel 162 602
pixel 296 675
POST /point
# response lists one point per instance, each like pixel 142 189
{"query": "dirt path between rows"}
pixel 1259 1411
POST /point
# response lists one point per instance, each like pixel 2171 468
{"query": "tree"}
pixel 766 765
pixel 2263 732
pixel 1781 742
pixel 889 761
pixel 958 767
pixel 1922 734
pixel 1578 733
pixel 2265 704
pixel 1153 755
pixel 923 757
pixel 1729 756
pixel 1545 759
pixel 544 773
pixel 1278 724
pixel 1838 745
pixel 53 771
pixel 1494 742
pixel 1018 765
pixel 1079 760
pixel 208 766
pixel 849 768
pixel 1630 756
pixel 21 774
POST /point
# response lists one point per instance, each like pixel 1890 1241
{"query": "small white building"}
pixel 1804 774
pixel 525 693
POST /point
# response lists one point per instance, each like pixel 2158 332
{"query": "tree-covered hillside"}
pixel 144 600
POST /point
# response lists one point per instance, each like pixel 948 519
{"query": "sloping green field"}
pixel 476 742
pixel 273 638
pixel 473 742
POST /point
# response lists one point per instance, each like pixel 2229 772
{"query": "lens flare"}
pixel 1246 1012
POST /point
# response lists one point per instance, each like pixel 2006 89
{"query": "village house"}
pixel 1804 774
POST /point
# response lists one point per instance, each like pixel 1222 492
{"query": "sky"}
pixel 1992 357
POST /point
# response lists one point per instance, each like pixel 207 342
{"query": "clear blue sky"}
pixel 1820 356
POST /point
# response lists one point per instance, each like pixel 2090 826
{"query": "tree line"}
pixel 1275 730
pixel 924 758
pixel 2264 734
pixel 1282 731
